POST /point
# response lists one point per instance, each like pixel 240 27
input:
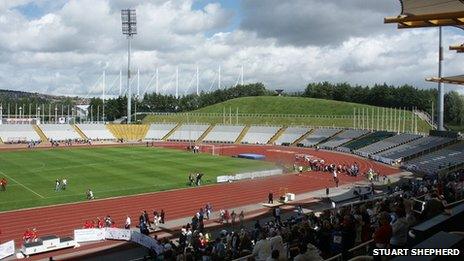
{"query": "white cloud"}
pixel 65 50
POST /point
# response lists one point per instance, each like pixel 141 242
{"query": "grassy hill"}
pixel 273 110
pixel 284 105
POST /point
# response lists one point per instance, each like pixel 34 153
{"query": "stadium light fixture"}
pixel 129 29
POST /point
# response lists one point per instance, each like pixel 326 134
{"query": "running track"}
pixel 63 219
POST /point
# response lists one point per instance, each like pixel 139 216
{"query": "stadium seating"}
pixel 342 138
pixel 439 160
pixel 14 133
pixel 366 140
pixel 291 134
pixel 188 132
pixel 423 144
pixel 60 132
pixel 259 134
pixel 157 131
pixel 128 132
pixel 386 144
pixel 318 136
pixel 96 131
pixel 224 133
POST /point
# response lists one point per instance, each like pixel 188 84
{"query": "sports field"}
pixel 108 171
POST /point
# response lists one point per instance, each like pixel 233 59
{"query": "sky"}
pixel 62 47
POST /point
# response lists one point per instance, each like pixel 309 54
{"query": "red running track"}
pixel 63 219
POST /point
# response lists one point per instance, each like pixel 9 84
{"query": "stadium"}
pixel 241 173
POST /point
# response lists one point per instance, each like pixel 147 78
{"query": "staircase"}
pixel 302 137
pixel 40 132
pixel 425 117
pixel 171 131
pixel 205 133
pixel 277 135
pixel 80 132
pixel 242 134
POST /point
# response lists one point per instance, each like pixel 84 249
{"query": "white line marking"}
pixel 17 182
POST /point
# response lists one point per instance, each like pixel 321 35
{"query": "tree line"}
pixel 405 96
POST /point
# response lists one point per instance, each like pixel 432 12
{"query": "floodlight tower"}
pixel 129 28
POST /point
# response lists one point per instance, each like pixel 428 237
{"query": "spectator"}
pixel 128 222
pixel 400 229
pixel 383 234
pixel 262 248
pixel 162 216
pixel 275 256
pixel 308 252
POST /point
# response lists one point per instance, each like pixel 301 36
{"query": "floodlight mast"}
pixel 129 28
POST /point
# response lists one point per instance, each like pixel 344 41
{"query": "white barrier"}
pixel 146 241
pixel 117 234
pixel 87 235
pixel 7 249
pixel 249 175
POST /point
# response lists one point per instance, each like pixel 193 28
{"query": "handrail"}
pixel 361 245
pixel 336 257
pixel 452 204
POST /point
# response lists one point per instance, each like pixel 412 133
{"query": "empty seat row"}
pixel 260 134
pixel 317 136
pixel 13 133
pixel 386 144
pixel 60 132
pixel 342 138
pixel 224 133
pixel 188 132
pixel 416 146
pixel 438 160
pixel 291 134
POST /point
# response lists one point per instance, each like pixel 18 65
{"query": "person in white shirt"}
pixel 90 194
pixel 262 249
pixel 64 183
pixel 128 222
pixel 309 252
pixel 276 242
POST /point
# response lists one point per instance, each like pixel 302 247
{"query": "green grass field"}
pixel 108 172
pixel 273 110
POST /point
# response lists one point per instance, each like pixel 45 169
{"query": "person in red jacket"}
pixel 3 183
pixel 99 223
pixel 27 235
pixel 34 235
pixel 383 234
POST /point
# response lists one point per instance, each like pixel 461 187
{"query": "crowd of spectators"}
pixel 318 235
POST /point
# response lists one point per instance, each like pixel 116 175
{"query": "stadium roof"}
pixel 420 13
pixel 458 48
pixel 459 79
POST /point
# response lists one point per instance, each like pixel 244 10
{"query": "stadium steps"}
pixel 242 134
pixel 277 135
pixel 40 132
pixel 171 131
pixel 208 130
pixel 302 137
pixel 80 132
